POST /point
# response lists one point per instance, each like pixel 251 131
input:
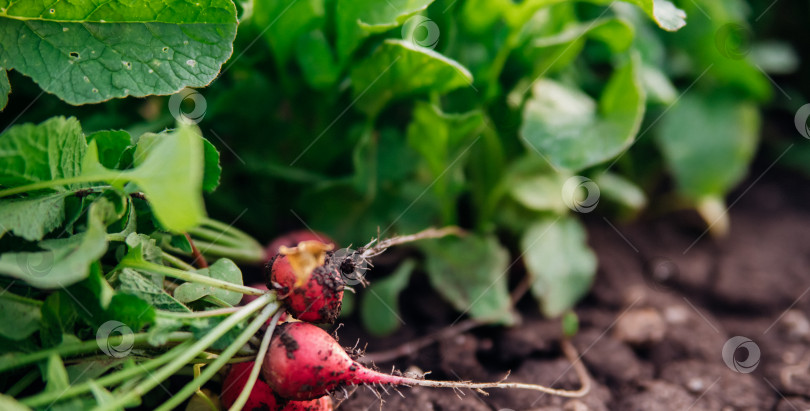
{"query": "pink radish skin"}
pixel 316 301
pixel 304 363
pixel 262 397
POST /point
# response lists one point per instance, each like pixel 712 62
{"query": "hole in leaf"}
pixel 74 54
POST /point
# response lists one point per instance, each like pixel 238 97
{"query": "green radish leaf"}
pixel 223 269
pixel 101 395
pixel 169 170
pixel 708 141
pixel 32 217
pixel 399 68
pixel 5 88
pixel 317 61
pixel 470 272
pixel 159 331
pixel 211 169
pixel 87 53
pixel 111 146
pixel 621 190
pixel 58 318
pixel 89 370
pixel 357 19
pixel 380 302
pixel 443 139
pixel 21 316
pixel 9 403
pixel 282 23
pixel 149 249
pixel 542 192
pixel 64 261
pixel 573 130
pixel 98 303
pixel 663 12
pixel 50 150
pixel 551 53
pixel 202 327
pixel 55 375
pixel 559 261
pixel 134 283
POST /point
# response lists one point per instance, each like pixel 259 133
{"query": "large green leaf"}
pixel 471 273
pixel 559 261
pixel 708 141
pixel 50 150
pixel 21 316
pixel 63 261
pixel 91 51
pixel 111 146
pixel 283 22
pixel 357 19
pixel 573 131
pixel 379 308
pixel 400 68
pixel 443 139
pixel 32 217
pixel 135 283
pixel 170 173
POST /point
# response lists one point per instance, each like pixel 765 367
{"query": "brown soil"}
pixel 653 327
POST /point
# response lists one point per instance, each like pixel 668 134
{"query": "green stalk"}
pixel 176 261
pixel 180 361
pixel 189 276
pixel 211 369
pixel 216 237
pixel 46 398
pixel 84 347
pixel 197 314
pixel 50 184
pixel 248 255
pixel 230 230
pixel 257 365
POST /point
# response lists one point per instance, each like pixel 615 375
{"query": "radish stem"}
pixel 192 387
pixel 257 365
pixel 189 276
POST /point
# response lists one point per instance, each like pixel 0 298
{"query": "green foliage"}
pixel 88 53
pixel 380 304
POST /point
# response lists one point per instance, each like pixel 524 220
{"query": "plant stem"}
pixel 105 381
pixel 190 277
pixel 84 347
pixel 198 314
pixel 244 254
pixel 22 383
pixel 223 358
pixel 50 184
pixel 217 237
pixel 230 230
pixel 368 251
pixel 189 354
pixel 176 261
pixel 257 365
pixel 199 260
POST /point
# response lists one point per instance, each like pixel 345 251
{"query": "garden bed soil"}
pixel 652 328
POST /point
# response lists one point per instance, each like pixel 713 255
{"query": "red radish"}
pixel 310 287
pixel 304 362
pixel 261 397
pixel 292 238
